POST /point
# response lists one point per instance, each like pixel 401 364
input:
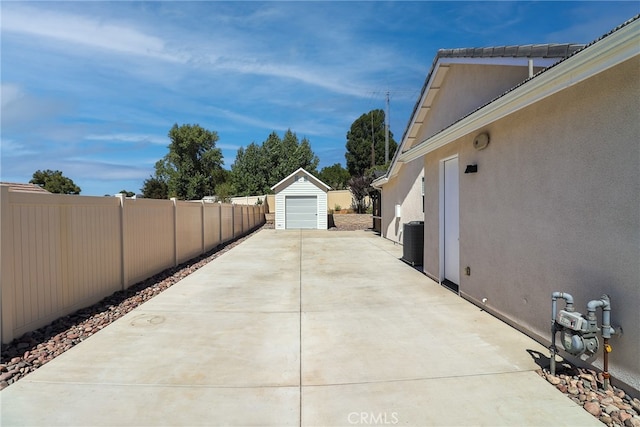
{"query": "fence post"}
pixel 7 291
pixel 174 201
pixel 219 223
pixel 233 221
pixel 124 276
pixel 202 218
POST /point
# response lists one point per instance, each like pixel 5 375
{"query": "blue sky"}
pixel 92 88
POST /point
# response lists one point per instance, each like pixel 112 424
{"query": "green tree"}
pixel 258 167
pixel 366 132
pixel 155 188
pixel 335 176
pixel 192 164
pixel 127 193
pixel 224 192
pixel 54 182
pixel 249 173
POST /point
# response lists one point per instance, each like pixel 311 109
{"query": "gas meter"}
pixel 577 333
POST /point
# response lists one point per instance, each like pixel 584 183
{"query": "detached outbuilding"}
pixel 301 202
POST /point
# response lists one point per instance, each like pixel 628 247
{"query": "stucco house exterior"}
pixel 301 202
pixel 459 82
pixel 532 188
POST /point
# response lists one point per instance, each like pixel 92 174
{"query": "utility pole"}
pixel 373 144
pixel 386 133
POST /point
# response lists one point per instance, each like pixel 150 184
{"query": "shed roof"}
pixel 276 188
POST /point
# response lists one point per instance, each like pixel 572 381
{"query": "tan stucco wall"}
pixel 465 88
pixel 555 206
pixel 406 190
pixel 343 198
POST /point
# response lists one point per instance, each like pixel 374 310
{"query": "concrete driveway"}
pixel 295 328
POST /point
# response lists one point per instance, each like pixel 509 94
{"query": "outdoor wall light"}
pixel 471 169
pixel 481 141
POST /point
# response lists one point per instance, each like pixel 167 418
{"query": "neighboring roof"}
pixel 31 188
pixel 545 55
pixel 312 178
pixel 620 44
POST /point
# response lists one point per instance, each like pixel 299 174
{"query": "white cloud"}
pixel 129 138
pixel 246 120
pixel 11 148
pixel 84 31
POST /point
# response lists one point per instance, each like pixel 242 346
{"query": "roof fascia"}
pixel 445 61
pixel 301 170
pixel 521 61
pixel 602 55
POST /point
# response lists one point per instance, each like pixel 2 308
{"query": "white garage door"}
pixel 301 212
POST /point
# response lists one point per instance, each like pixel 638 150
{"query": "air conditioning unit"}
pixel 413 246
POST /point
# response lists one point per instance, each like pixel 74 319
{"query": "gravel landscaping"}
pixel 34 349
pixel 613 407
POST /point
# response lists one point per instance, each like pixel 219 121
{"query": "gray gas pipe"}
pixel 578 333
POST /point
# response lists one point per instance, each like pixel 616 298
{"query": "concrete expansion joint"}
pixel 406 380
pixel 169 385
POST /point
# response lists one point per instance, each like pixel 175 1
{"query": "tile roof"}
pixel 553 50
pixel 31 188
pixel 540 73
pixel 578 48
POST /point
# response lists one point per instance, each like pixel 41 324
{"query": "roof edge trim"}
pixel 592 60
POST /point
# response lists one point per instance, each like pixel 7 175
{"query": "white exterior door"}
pixel 301 212
pixel 451 219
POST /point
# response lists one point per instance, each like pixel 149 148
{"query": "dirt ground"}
pixel 343 222
pixel 352 222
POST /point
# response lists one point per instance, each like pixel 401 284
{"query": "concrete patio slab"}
pixel 310 328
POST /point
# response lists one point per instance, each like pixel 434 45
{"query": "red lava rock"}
pixel 623 406
pixel 606 400
pixel 62 334
pixel 593 408
pixel 624 416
